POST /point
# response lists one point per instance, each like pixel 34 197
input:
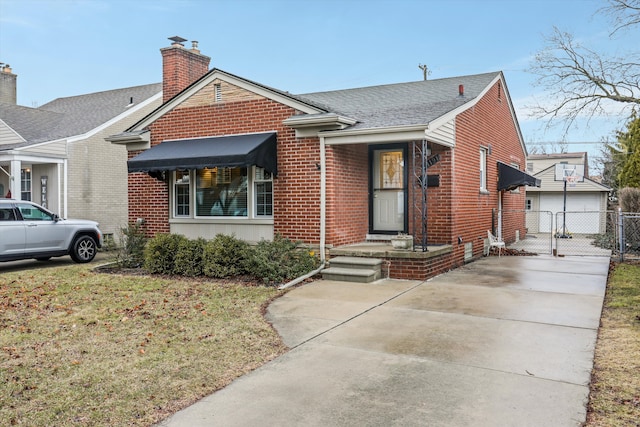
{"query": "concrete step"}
pixel 356 262
pixel 360 275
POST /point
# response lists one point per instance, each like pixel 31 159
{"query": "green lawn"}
pixel 84 348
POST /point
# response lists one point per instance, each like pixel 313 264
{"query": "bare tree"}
pixel 623 14
pixel 583 82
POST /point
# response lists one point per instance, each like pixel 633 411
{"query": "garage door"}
pixel 586 222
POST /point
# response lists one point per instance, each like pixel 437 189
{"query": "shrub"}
pixel 224 256
pixel 277 261
pixel 629 198
pixel 189 257
pixel 133 242
pixel 160 253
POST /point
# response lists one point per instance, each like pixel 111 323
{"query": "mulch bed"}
pixel 512 252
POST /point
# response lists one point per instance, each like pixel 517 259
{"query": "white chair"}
pixel 494 242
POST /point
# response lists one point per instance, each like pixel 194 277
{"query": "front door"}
pixel 389 190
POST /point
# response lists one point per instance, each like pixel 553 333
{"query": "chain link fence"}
pixel 628 236
pixel 580 233
pixel 566 233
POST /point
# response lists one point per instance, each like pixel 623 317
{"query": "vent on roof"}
pixel 130 102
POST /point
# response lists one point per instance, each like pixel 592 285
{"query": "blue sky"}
pixel 62 48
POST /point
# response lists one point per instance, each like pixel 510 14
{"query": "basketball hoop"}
pixel 571 180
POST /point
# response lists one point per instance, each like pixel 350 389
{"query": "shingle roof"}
pixel 75 115
pixel 31 124
pixel 401 104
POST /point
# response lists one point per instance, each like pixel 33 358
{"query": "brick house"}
pixel 335 170
pixel 56 154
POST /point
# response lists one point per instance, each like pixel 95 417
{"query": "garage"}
pixel 584 214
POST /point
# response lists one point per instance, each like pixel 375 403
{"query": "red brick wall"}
pixel 439 215
pixel 347 194
pixel 149 200
pixel 180 68
pixel 296 188
pixel 489 122
pixel 419 269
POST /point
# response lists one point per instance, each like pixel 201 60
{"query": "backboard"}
pixel 564 170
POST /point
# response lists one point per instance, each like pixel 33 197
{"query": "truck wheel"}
pixel 83 249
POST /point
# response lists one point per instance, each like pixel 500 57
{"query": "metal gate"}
pixel 583 233
pixel 628 234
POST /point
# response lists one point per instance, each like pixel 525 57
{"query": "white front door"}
pixel 389 189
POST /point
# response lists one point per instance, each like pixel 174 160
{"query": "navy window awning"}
pixel 223 151
pixel 510 178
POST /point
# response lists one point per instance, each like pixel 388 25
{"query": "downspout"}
pixel 500 215
pixel 323 219
pixel 64 166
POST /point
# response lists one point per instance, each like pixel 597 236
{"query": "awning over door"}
pixel 224 151
pixel 510 178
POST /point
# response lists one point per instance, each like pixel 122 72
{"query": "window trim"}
pixel 29 181
pixel 254 186
pixel 252 194
pixel 175 194
pixel 483 154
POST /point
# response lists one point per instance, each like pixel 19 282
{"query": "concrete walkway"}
pixel 499 342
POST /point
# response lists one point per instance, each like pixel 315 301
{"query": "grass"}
pixel 84 348
pixel 615 384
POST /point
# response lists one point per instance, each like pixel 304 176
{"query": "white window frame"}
pixel 258 178
pixel 255 176
pixel 26 177
pixel 176 185
pixel 483 169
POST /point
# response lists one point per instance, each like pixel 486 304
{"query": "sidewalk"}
pixel 503 341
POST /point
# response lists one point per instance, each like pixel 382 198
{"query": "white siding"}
pixel 8 135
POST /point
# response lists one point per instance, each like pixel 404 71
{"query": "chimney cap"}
pixel 177 40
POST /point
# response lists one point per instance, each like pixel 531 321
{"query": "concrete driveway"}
pixel 499 342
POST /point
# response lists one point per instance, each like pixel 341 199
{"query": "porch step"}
pixel 353 269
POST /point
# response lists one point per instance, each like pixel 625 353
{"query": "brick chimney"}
pixel 181 66
pixel 8 93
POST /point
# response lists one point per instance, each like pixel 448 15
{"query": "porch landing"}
pixel 385 250
pixel 401 264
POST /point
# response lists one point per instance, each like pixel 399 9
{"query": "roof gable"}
pixel 76 115
pixel 549 183
pixel 202 92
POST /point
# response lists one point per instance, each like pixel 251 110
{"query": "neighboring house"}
pixel 224 154
pixel 56 155
pixel 586 199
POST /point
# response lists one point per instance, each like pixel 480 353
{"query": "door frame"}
pixel 403 146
